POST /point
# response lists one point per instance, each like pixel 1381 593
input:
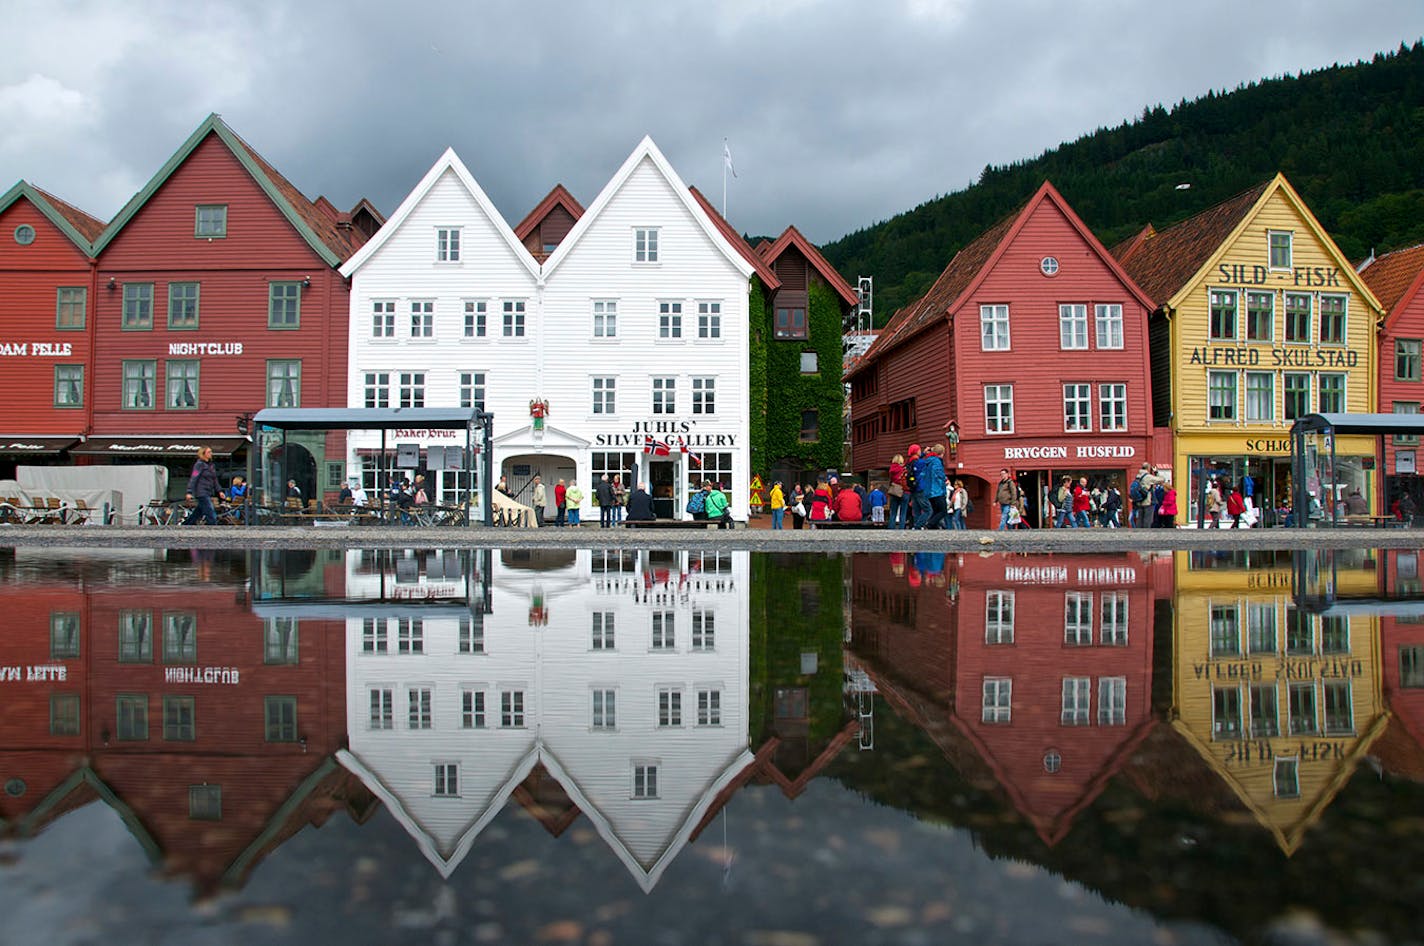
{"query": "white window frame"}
pixel 1072 326
pixel 422 319
pixel 1077 407
pixel 1113 619
pixel 994 320
pixel 669 707
pixel 709 320
pixel 664 395
pixel 1108 325
pixel 445 780
pixel 646 245
pixel 603 709
pixel 605 318
pixel 603 391
pixel 1235 405
pixel 997 704
pixel 512 709
pixel 383 318
pixel 669 319
pixel 411 389
pixel 381 701
pixel 1077 702
pixel 1112 701
pixel 513 313
pixel 704 396
pixel 998 617
pixel 473 388
pixel 476 318
pixel 994 394
pixel 447 244
pixel 1077 618
pixel 1112 407
pixel 709 706
pixel 644 782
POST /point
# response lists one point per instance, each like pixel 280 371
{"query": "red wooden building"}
pixel 48 274
pixel 217 295
pixel 1033 344
pixel 545 227
pixel 1397 280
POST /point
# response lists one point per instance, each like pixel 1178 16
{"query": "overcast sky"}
pixel 839 113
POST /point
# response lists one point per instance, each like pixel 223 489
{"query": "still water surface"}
pixel 710 747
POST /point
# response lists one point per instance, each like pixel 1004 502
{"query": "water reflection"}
pixel 1229 717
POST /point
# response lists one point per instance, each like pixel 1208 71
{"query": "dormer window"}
pixel 210 221
pixel 645 245
pixel 1281 255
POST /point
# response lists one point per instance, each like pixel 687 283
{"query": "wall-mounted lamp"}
pixel 113 284
pixel 306 282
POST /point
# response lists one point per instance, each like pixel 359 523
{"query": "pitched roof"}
pixel 558 197
pixel 763 269
pixel 315 227
pixel 1395 277
pixel 79 227
pixel 1163 262
pixel 792 237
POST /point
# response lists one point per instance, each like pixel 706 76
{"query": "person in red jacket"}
pixel 560 491
pixel 1082 502
pixel 1235 506
pixel 847 505
pixel 819 502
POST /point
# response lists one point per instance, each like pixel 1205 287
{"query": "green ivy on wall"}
pixel 759 327
pixel 786 392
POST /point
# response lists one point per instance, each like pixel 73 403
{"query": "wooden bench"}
pixel 668 524
pixel 844 524
pixel 1371 522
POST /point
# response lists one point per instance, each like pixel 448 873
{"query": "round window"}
pixel 24 234
pixel 15 787
pixel 1052 761
pixel 1048 265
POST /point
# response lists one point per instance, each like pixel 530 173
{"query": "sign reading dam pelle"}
pixel 1253 356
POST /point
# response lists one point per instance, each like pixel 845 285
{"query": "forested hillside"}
pixel 1349 138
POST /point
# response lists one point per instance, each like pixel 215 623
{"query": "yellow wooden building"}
pixel 1260 320
pixel 1281 703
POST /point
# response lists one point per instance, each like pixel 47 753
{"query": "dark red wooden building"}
pixel 1033 344
pixel 1397 280
pixel 217 295
pixel 48 273
pixel 545 227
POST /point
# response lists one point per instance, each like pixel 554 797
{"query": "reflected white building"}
pixel 623 673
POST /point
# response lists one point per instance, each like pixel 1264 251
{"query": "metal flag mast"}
pixel 726 166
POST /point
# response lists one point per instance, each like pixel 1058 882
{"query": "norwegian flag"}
pixel 658 448
pixel 695 458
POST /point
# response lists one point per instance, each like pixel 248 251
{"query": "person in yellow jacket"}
pixel 778 505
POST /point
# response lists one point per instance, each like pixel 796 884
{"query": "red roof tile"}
pixel 792 237
pixel 88 227
pixel 1390 277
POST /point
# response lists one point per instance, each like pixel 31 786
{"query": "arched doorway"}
pixel 520 470
pixel 292 461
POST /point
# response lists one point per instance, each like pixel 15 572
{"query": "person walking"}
pixel 1006 495
pixel 919 502
pixel 540 497
pixel 1062 503
pixel 560 498
pixel 958 506
pixel 202 487
pixel 620 499
pixel 798 506
pixel 1167 508
pixel 1082 504
pixel 898 493
pixel 778 507
pixel 932 468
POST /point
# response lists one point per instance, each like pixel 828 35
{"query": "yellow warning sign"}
pixel 756 498
pixel 756 484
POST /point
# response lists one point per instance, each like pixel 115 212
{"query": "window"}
pixel 410 635
pixel 135 637
pixel 1260 395
pixel 664 395
pixel 645 780
pixel 704 631
pixel 1072 326
pixel 603 636
pixel 210 221
pixel 63 635
pixel 1077 618
pixel 472 709
pixel 1411 667
pixel 280 718
pixel 664 630
pixel 1223 314
pixel 476 319
pixel 182 379
pixel 1298 309
pixel 382 709
pixel 412 389
pixel 810 426
pixel 709 707
pixel 284 382
pixel 378 389
pixel 669 707
pixel 178 714
pixel 1112 407
pixel 704 395
pixel 375 636
pixel 669 320
pixel 998 700
pixel 790 322
pixel 994 327
pixel 717 467
pixel 605 709
pixel 514 318
pixel 281 642
pixel 1108 319
pixel 284 305
pixel 183 305
pixel 603 395
pixel 70 308
pixel 1300 632
pixel 511 709
pixel 1332 393
pixel 645 245
pixel 1225 713
pixel 472 389
pixel 1332 320
pixel 1285 778
pixel 1112 701
pixel 1077 701
pixel 999 408
pixel 447 245
pixel 470 637
pixel 1334 634
pixel 64 714
pixel 383 320
pixel 24 234
pixel 1297 395
pixel 1112 619
pixel 422 320
pixel 1406 407
pixel 180 638
pixel 1280 256
pixel 1265 711
pixel 1221 395
pixel 605 318
pixel 1077 407
pixel 1339 713
pixel 1302 709
pixel 447 774
pixel 709 320
pixel 68 385
pixel 138 306
pixel 1225 626
pixel 1261 633
pixel 999 617
pixel 1260 316
pixel 1406 359
pixel 131 716
pixel 810 363
pixel 419 712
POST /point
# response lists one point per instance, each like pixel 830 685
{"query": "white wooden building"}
pixel 631 336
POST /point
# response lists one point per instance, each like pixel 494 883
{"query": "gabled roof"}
pixel 558 197
pixel 792 237
pixel 449 161
pixel 647 151
pixel 1395 278
pixel 370 208
pixel 763 269
pixel 80 228
pixel 972 264
pixel 314 226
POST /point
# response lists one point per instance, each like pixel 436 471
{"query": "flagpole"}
pixel 724 178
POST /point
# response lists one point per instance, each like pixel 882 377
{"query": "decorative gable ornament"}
pixel 538 410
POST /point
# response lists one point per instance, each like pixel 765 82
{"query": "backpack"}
pixel 1063 497
pixel 1159 493
pixel 698 502
pixel 1136 492
pixel 912 480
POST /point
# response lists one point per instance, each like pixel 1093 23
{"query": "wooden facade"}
pixel 1397 280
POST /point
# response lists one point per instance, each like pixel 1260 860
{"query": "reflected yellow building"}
pixel 1282 703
